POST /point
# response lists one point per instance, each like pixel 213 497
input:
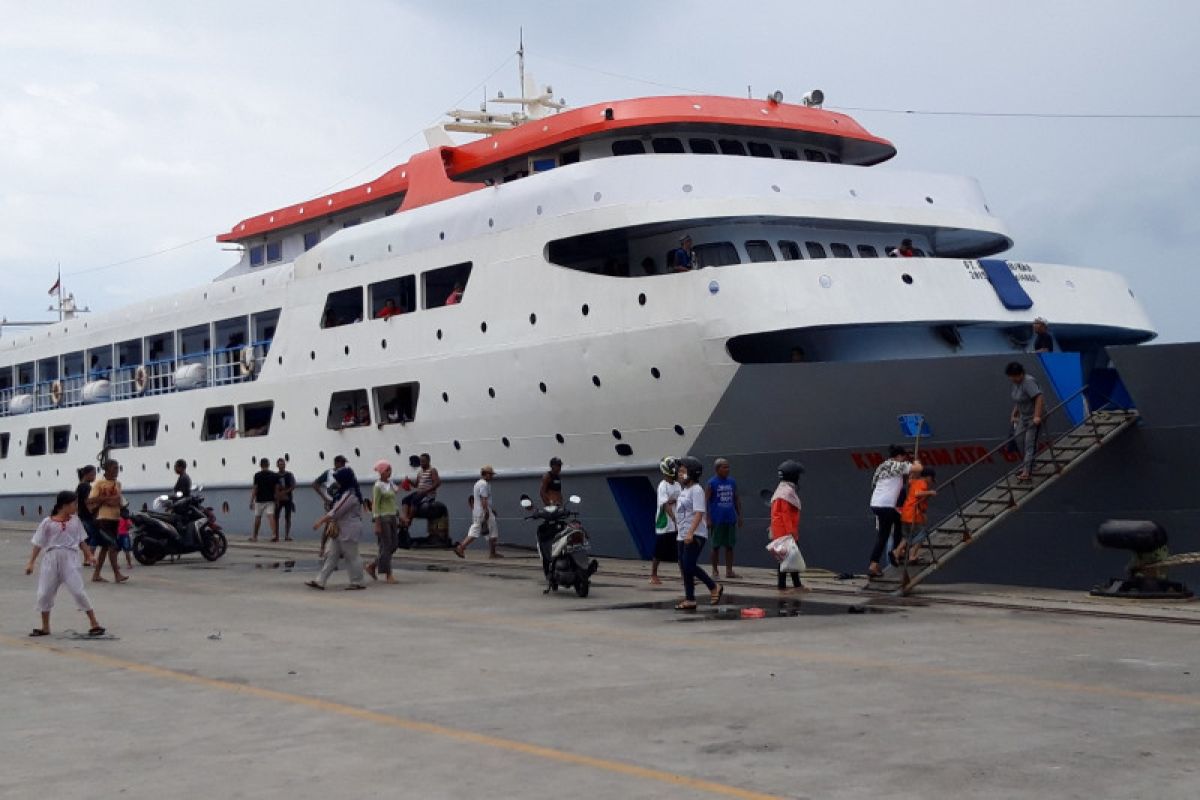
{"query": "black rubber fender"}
pixel 1138 535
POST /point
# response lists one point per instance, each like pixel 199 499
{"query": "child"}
pixel 665 547
pixel 124 543
pixel 785 515
pixel 61 536
pixel 724 516
pixel 914 512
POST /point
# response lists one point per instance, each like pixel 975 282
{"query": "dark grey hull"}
pixel 834 417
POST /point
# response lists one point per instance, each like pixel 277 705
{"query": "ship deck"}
pixel 233 679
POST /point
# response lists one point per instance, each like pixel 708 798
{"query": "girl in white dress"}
pixel 61 536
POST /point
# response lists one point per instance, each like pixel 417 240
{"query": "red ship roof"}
pixel 429 176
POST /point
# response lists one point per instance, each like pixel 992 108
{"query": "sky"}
pixel 136 128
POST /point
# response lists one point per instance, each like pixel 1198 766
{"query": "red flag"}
pixel 54 289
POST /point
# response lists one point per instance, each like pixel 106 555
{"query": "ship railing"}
pixel 5 396
pixel 160 376
pixel 123 383
pixel 72 389
pixel 1009 484
pixel 43 398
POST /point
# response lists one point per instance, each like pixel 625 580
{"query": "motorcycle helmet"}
pixel 161 504
pixel 791 471
pixel 668 466
pixel 693 466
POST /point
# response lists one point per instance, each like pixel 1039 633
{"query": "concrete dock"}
pixel 233 679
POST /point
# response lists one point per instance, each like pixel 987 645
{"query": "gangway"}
pixel 984 512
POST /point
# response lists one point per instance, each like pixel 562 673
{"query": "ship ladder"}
pixel 984 512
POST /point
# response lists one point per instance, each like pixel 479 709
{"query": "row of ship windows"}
pixel 727 147
pixel 440 287
pixel 272 252
pixel 720 254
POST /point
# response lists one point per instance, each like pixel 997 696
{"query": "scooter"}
pixel 175 526
pixel 564 546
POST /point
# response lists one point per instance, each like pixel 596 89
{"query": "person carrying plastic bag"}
pixel 785 526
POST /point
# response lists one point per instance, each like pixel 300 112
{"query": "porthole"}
pixel 222 462
pixel 595 380
pixel 483 327
pixel 321 455
pixel 687 187
pixel 616 434
pixel 679 429
pixel 253 460
pixel 504 441
pixel 596 197
pixel 193 463
pixel 558 437
pixel 346 349
pixel 491 222
pixel 287 456
pixel 166 428
pixel 774 187
pixel 584 310
pixel 283 415
pixel 318 266
pixel 225 507
pixel 624 449
pixel 312 355
pixel 143 467
pixel 492 392
pixel 457 445
pixel 352 258
pixel 533 319
pixel 929 200
pixel 442 235
pixel 280 359
pixel 439 333
pixel 389 248
pixel 542 386
pixel 383 344
pixel 539 210
pixel 397 449
pixel 906 278
pixel 357 454
pixel 655 373
pixel 316 411
pixel 445 397
pixel 642 299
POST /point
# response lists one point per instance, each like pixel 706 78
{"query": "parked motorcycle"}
pixel 175 526
pixel 564 546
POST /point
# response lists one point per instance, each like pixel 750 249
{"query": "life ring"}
pixel 140 379
pixel 56 392
pixel 246 364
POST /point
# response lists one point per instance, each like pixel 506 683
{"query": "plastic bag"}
pixel 787 553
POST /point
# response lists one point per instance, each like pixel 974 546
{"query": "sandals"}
pixel 96 631
pixel 39 632
pixel 314 585
pixel 370 569
pixel 685 605
pixel 716 598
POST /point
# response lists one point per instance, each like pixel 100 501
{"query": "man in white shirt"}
pixel 887 483
pixel 483 518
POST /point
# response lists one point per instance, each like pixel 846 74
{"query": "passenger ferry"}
pixel 518 297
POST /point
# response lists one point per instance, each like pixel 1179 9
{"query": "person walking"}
pixel 724 516
pixel 285 502
pixel 59 539
pixel 1026 418
pixel 105 502
pixel 87 475
pixel 327 488
pixel 692 534
pixel 386 518
pixel 785 516
pixel 915 512
pixel 665 529
pixel 345 528
pixel 483 516
pixel 262 499
pixel 887 483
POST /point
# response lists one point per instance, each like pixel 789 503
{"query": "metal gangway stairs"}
pixel 984 512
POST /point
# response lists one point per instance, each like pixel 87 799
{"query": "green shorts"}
pixel 723 535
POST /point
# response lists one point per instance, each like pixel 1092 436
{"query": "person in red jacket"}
pixel 785 515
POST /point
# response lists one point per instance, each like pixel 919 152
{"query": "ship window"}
pixel 716 254
pixel 47 369
pixel 397 403
pixel 145 430
pixel 834 158
pixel 160 348
pixel 667 144
pixel 256 418
pixel 35 442
pixel 219 423
pixel 99 362
pixel 731 147
pixel 194 344
pixel 790 250
pixel 569 157
pixel 918 252
pixel 129 353
pixel 867 251
pixel 256 255
pixel 542 164
pixel 274 252
pixel 445 286
pixel 628 147
pixel 4 445
pixel 60 438
pixel 350 223
pixel 761 150
pixel 841 250
pixel 311 240
pixel 815 249
pixel 705 146
pixel 25 375
pixel 262 332
pixel 348 409
pixel 6 375
pixel 788 154
pixel 343 308
pixel 401 291
pixel 116 433
pixel 759 250
pixel 815 155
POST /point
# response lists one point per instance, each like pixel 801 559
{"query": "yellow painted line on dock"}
pixel 390 720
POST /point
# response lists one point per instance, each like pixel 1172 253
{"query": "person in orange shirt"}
pixel 389 310
pixel 915 512
pixel 785 514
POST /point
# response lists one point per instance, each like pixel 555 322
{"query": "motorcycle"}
pixel 175 526
pixel 564 546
